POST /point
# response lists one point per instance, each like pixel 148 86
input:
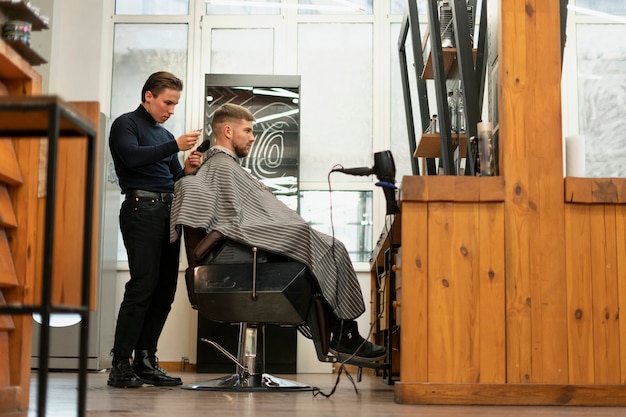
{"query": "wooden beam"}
pixel 531 160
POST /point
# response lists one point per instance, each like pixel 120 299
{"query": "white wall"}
pixel 73 48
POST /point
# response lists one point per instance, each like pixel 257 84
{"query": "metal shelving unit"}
pixel 443 66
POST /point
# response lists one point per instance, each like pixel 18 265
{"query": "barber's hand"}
pixel 188 140
pixel 193 161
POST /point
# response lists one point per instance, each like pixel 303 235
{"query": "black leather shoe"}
pixel 347 343
pixel 122 375
pixel 147 367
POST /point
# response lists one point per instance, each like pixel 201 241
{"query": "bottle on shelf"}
pixel 434 125
pixel 460 113
pixel 470 17
pixel 486 152
pixel 452 109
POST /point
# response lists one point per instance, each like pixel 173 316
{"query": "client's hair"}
pixel 231 111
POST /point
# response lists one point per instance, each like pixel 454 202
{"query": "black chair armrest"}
pixel 206 245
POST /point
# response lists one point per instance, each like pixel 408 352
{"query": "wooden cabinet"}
pixel 385 296
pixel 471 327
pixel 453 286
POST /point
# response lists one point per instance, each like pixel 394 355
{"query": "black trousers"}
pixel 153 264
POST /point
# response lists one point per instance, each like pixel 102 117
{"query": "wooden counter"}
pixel 462 314
pixel 512 285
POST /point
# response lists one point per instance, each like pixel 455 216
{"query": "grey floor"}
pixel 372 398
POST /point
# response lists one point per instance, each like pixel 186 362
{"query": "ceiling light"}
pixel 277 116
pixel 276 92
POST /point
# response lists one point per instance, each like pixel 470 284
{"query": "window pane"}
pixel 335 6
pixel 400 7
pixel 239 7
pixel 335 61
pixel 152 7
pixel 351 217
pixel 242 51
pixel 397 7
pixel 601 91
pixel 616 7
pixel 138 51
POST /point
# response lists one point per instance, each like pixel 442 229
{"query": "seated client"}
pixel 223 196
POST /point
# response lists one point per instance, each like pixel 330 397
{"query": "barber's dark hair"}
pixel 231 111
pixel 158 82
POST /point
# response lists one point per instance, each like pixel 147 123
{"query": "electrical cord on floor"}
pixel 342 364
pixel 342 368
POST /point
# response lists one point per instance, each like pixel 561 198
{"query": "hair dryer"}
pixel 385 170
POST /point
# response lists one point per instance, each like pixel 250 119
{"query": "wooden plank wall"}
pixel 452 252
pixel 466 292
pixel 595 226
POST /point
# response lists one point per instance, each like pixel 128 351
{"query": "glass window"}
pixel 335 62
pixel 351 220
pixel 242 7
pixel 242 51
pixel 335 6
pixel 601 58
pixel 397 7
pixel 138 51
pixel 400 7
pixel 614 7
pixel 152 7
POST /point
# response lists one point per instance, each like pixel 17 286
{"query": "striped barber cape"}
pixel 223 196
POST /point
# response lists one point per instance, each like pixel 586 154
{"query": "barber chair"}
pixel 233 283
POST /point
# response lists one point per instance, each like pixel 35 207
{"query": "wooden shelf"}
pixel 13 65
pixel 19 10
pixel 29 117
pixel 29 54
pixel 450 64
pixel 430 145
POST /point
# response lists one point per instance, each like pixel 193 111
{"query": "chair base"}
pixel 237 382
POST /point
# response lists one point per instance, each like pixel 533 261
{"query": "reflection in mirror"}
pixel 275 103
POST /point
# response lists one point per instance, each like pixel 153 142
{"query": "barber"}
pixel 146 161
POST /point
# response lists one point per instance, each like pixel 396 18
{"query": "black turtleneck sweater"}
pixel 145 154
